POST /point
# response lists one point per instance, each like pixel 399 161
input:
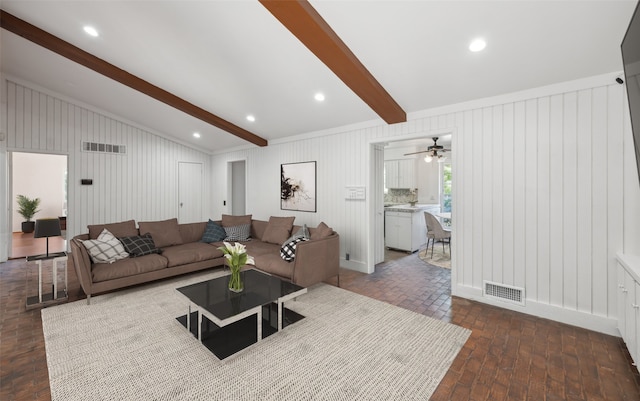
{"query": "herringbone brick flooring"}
pixel 509 356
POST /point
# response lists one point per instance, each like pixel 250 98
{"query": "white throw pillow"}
pixel 105 249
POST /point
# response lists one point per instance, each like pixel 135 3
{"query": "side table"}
pixel 44 299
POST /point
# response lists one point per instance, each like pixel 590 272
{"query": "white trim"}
pixel 356 265
pixel 585 320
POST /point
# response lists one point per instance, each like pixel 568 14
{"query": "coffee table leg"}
pixel 189 319
pixel 200 316
pixel 280 315
pixel 259 317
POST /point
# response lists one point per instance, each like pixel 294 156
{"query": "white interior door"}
pixel 189 192
pixel 238 188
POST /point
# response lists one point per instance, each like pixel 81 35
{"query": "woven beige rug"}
pixel 128 346
pixel 439 258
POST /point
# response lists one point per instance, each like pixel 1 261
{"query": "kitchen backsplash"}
pixel 401 195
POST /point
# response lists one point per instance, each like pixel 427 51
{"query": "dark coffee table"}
pixel 227 322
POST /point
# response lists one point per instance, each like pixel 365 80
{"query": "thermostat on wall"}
pixel 86 181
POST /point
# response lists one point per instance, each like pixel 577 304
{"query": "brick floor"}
pixel 509 356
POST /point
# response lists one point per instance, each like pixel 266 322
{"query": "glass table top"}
pixel 259 289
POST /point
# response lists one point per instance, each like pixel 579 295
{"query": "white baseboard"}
pixel 354 265
pixel 575 318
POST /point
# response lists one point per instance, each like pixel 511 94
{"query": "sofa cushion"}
pixel 127 267
pixel 192 232
pixel 213 232
pixel 238 233
pixel 322 231
pixel 139 245
pixel 288 250
pixel 164 233
pixel 190 253
pixel 272 263
pixel 260 248
pixel 231 221
pixel 105 249
pixel 121 229
pixel 278 229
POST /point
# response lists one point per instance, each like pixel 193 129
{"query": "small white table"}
pixel 43 299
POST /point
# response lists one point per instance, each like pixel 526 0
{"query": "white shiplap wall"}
pixel 140 185
pixel 538 192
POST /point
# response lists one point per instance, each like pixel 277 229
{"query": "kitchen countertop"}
pixel 408 208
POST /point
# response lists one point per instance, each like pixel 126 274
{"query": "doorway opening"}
pixel 238 182
pixel 414 179
pixel 42 176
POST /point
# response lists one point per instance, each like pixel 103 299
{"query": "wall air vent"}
pixel 503 292
pixel 103 148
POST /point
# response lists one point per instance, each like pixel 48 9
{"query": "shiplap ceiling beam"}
pixel 40 37
pixel 303 21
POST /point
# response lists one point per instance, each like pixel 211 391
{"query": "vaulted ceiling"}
pixel 236 58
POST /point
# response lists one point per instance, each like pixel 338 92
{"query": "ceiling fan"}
pixel 432 152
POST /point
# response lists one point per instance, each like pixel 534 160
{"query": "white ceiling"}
pixel 233 58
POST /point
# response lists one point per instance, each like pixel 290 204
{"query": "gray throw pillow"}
pixel 213 232
pixel 238 233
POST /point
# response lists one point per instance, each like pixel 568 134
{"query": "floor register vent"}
pixel 103 148
pixel 503 292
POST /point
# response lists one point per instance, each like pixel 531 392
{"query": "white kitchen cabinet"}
pixel 400 173
pixel 404 230
pixel 391 174
pixel 407 173
pixel 629 311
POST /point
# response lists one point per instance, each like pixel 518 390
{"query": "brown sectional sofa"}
pixel 182 252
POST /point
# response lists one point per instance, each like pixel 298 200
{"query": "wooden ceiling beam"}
pixel 73 53
pixel 303 21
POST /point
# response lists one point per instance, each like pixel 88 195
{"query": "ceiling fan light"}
pixel 441 159
pixel 428 158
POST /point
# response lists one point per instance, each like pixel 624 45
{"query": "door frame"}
pixel 375 241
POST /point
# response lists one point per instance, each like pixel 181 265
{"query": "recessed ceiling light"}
pixel 319 97
pixel 477 45
pixel 91 31
pixel 251 118
pixel 196 135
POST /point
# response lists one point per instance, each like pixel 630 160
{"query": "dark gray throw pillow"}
pixel 213 232
pixel 139 245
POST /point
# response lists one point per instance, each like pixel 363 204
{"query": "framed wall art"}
pixel 298 186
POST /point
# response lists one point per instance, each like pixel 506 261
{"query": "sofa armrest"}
pixel 316 260
pixel 82 263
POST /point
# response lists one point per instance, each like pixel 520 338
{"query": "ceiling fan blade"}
pixel 415 153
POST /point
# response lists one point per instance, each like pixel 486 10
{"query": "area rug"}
pixel 128 346
pixel 439 258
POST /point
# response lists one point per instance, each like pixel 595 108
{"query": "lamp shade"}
pixel 47 228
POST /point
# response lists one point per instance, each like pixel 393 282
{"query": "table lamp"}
pixel 47 228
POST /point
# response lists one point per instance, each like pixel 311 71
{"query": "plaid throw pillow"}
pixel 139 245
pixel 213 233
pixel 288 250
pixel 238 233
pixel 105 249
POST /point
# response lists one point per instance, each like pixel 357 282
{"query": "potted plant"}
pixel 27 208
